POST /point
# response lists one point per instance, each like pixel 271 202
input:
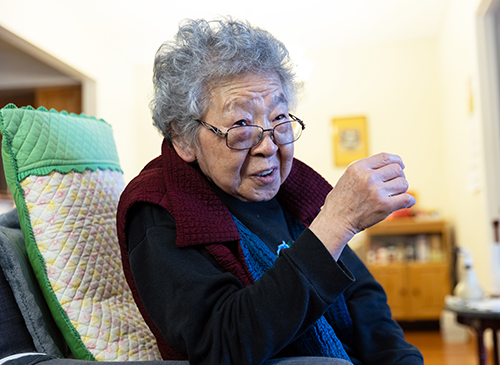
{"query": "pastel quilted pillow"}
pixel 64 173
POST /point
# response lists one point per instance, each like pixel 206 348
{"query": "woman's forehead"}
pixel 248 91
pixel 271 103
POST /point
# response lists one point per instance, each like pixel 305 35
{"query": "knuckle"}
pixel 385 157
pixel 354 165
pixel 353 169
pixel 398 168
pixel 402 184
pixel 406 185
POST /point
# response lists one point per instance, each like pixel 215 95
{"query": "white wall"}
pixel 149 139
pixel 396 87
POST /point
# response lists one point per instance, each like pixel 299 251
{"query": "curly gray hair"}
pixel 202 54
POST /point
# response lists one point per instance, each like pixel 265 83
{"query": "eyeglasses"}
pixel 244 137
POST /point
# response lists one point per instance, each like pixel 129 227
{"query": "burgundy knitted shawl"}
pixel 202 219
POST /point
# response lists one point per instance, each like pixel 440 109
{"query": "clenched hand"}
pixel 368 191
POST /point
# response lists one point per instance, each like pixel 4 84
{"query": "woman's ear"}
pixel 185 152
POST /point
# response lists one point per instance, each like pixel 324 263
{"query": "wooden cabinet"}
pixel 60 98
pixel 67 98
pixel 411 260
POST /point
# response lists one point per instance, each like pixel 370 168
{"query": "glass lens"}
pixel 248 136
pixel 243 137
pixel 287 132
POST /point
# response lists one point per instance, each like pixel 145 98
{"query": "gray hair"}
pixel 202 54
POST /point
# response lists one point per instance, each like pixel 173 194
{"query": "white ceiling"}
pixel 136 28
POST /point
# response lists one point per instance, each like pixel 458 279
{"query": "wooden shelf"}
pixel 415 286
pixel 407 226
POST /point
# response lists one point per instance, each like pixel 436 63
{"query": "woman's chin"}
pixel 260 194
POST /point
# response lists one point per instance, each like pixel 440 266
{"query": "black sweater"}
pixel 208 314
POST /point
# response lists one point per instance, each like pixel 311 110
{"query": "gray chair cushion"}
pixel 14 336
pixel 16 268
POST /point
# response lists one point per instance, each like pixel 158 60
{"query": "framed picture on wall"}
pixel 350 140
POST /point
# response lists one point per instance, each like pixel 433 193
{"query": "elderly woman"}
pixel 237 251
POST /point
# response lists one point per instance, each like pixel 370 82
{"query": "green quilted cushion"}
pixel 64 173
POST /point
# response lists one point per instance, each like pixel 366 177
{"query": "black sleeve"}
pixel 378 339
pixel 208 314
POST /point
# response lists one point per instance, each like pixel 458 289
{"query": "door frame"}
pixel 88 85
pixel 488 59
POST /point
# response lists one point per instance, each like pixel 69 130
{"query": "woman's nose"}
pixel 267 145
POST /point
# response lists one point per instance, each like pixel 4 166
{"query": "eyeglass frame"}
pixel 222 134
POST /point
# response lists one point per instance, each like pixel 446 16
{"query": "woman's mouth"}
pixel 266 176
pixel 265 173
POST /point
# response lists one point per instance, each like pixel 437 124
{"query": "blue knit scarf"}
pixel 320 339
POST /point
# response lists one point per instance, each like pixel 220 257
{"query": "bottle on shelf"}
pixel 468 287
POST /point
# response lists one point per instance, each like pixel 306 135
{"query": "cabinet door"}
pixel 393 279
pixel 67 98
pixel 429 284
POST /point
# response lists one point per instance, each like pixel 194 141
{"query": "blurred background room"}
pixel 418 78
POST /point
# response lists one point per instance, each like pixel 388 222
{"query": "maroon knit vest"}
pixel 202 219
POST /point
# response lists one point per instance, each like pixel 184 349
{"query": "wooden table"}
pixel 479 320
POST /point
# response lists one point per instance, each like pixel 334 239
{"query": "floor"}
pixel 436 352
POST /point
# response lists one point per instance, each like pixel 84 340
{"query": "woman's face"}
pixel 249 175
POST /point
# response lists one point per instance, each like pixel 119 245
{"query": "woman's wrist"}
pixel 333 234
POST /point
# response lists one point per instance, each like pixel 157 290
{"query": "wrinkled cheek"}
pixel 285 171
pixel 286 156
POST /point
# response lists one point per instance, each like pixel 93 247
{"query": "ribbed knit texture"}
pixel 320 339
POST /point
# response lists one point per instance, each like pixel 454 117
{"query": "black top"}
pixel 208 314
pixel 265 219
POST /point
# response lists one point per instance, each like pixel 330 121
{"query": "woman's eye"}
pixel 280 117
pixel 240 123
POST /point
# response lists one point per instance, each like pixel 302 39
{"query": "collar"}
pixel 202 218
